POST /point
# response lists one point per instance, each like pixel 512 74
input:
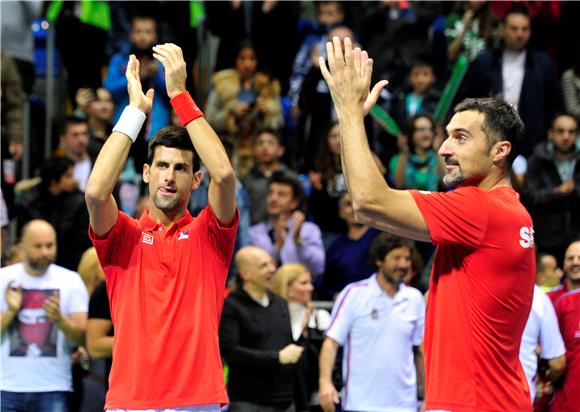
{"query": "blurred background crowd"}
pixel 253 69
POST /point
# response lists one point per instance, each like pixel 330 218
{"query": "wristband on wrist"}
pixel 185 108
pixel 130 122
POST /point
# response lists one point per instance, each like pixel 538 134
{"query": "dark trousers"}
pixel 254 407
pixel 35 401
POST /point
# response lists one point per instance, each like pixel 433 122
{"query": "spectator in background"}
pixel 12 127
pixel 268 149
pixel 395 33
pixel 243 99
pixel 57 200
pixel 571 88
pixel 417 166
pixel 293 283
pixel 286 235
pixel 270 25
pixel 44 314
pixel 524 78
pixel 552 187
pixel 542 332
pixel 97 107
pixel 90 270
pixel 99 336
pixel 549 274
pixel 142 37
pixel 422 96
pixel 470 29
pixel 567 397
pixel 379 321
pixel 316 108
pixel 347 258
pixel 74 142
pixel 328 14
pixel 256 339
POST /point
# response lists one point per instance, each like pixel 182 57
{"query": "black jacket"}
pixel 556 219
pixel 540 97
pixel 67 212
pixel 250 338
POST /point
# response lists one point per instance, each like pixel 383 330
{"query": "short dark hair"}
pixel 70 121
pixel 501 122
pixel 562 114
pixel 338 4
pixel 270 131
pixel 382 245
pixel 136 17
pixel 285 179
pixel 175 137
pixel 520 9
pixel 423 60
pixel 53 169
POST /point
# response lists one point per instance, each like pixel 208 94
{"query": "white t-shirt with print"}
pixel 36 356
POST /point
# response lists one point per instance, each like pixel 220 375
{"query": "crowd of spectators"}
pixel 272 109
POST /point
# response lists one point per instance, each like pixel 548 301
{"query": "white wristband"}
pixel 130 122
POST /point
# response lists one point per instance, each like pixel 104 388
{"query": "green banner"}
pixel 385 120
pixel 459 69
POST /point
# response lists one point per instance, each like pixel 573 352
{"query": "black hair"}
pixel 339 4
pixel 520 9
pixel 423 60
pixel 175 137
pixel 53 169
pixel 409 129
pixel 562 114
pixel 384 243
pixel 70 121
pixel 135 17
pixel 285 179
pixel 501 122
pixel 270 131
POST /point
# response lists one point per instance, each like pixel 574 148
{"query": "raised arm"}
pixel 102 207
pixel 222 188
pixel 374 202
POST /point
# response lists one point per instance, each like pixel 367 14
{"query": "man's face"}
pixel 67 182
pixel 329 14
pixel 143 33
pixel 39 247
pixel 465 150
pixel 102 107
pixel 551 274
pixel 171 178
pixel 280 199
pixel 267 149
pixel 572 262
pixel 246 63
pixel 421 77
pixel 76 139
pixel 395 265
pixel 563 134
pixel 260 270
pixel 516 32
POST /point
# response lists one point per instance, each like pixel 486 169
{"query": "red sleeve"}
pixel 112 248
pixel 458 217
pixel 223 238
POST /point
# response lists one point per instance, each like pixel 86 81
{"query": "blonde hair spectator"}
pixel 90 269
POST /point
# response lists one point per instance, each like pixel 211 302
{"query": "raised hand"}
pixel 143 102
pixel 52 308
pixel 171 56
pixel 13 297
pixel 349 77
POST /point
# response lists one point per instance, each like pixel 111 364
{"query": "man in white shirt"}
pixel 542 330
pixel 44 313
pixel 379 321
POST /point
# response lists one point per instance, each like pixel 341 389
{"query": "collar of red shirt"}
pixel 150 225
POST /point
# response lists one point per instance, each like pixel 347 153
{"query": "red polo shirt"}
pixel 480 297
pixel 166 294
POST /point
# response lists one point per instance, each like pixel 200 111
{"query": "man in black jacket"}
pixel 522 76
pixel 256 339
pixel 58 200
pixel 552 187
